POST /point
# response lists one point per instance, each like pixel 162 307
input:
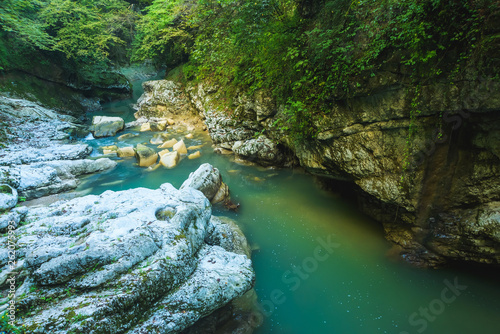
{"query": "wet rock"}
pixel 189 136
pixel 170 159
pixel 109 149
pixel 180 147
pixel 127 136
pixel 125 152
pixel 157 140
pixel 8 197
pixel 146 156
pixel 136 259
pixel 104 126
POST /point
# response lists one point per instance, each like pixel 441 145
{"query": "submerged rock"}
pixel 104 126
pixel 127 136
pixel 135 261
pixel 194 155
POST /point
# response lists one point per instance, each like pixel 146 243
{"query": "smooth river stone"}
pixel 170 160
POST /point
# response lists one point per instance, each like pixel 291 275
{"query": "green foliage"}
pixel 5 326
pixel 85 31
pixel 163 33
pixel 308 63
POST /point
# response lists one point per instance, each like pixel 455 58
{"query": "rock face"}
pixel 103 126
pixel 135 261
pixel 443 207
pixel 236 133
pixel 39 158
pixel 166 100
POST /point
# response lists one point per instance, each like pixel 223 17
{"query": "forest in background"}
pixel 306 53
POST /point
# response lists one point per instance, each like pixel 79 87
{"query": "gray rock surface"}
pixel 14 217
pixel 39 157
pixel 206 179
pixel 261 150
pixel 133 261
pixel 104 126
pixel 364 140
pixel 46 178
pixel 8 197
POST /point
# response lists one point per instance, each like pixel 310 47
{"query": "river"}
pixel 321 265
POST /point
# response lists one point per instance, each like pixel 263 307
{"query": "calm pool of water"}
pixel 321 265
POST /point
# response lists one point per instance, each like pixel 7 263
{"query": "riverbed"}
pixel 321 265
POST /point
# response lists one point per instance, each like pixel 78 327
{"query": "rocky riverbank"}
pixel 135 261
pixel 442 208
pixel 40 156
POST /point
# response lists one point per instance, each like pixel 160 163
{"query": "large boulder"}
pixel 135 261
pixel 8 197
pixel 146 156
pixel 261 150
pixel 208 180
pixel 103 126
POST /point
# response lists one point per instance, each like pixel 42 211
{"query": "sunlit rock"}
pixel 146 156
pixel 170 159
pixel 180 147
pixel 169 143
pixel 163 152
pixel 125 152
pixel 194 155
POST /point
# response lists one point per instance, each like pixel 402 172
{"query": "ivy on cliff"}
pixel 310 53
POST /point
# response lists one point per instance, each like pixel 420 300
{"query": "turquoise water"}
pixel 303 286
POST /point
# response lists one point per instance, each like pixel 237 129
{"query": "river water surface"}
pixel 321 266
